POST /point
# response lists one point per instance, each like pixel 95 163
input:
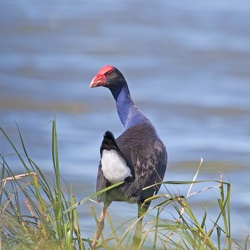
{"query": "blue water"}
pixel 187 65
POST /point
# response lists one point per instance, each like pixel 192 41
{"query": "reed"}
pixel 35 212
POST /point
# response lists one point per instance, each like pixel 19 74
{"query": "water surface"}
pixel 187 66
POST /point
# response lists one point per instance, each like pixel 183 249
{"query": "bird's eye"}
pixel 110 73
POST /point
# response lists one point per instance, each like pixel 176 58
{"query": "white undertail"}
pixel 114 167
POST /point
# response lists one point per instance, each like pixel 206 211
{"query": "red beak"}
pixel 98 80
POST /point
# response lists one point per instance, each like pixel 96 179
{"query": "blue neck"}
pixel 127 111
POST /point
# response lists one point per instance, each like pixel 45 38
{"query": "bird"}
pixel 137 158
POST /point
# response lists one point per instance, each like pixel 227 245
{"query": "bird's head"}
pixel 108 76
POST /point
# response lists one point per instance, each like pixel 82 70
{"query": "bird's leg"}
pixel 142 209
pixel 100 224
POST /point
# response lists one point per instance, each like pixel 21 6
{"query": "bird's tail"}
pixel 109 142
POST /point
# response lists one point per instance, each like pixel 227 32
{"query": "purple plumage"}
pixel 138 153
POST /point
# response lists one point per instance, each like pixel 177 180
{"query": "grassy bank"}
pixel 37 213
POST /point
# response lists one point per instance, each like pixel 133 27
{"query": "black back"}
pixel 145 154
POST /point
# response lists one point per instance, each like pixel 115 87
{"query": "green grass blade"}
pixel 93 195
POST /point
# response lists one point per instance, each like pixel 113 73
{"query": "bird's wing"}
pixel 147 154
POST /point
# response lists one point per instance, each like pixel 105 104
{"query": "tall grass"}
pixel 35 213
pixel 43 224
